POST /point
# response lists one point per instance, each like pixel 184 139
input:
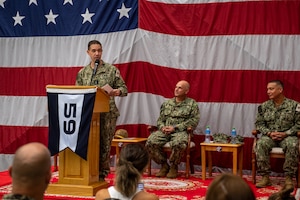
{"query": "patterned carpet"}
pixel 193 188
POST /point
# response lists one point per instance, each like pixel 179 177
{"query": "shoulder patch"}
pixel 298 108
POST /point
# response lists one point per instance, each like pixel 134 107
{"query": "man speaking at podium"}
pixel 107 76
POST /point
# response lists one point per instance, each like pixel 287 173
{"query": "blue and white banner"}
pixel 70 114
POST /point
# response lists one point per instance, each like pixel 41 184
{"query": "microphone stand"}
pixel 94 71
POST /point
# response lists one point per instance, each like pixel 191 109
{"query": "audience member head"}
pixel 132 162
pixel 31 170
pixel 284 194
pixel 229 187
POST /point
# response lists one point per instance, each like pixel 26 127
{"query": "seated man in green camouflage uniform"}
pixel 278 119
pixel 30 172
pixel 176 115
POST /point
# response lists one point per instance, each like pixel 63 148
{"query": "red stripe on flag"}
pixel 237 86
pixel 227 18
pixel 12 137
pixel 32 81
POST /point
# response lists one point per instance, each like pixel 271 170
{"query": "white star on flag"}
pixel 87 16
pixel 18 19
pixel 68 1
pixel 123 11
pixel 2 3
pixel 51 17
pixel 32 1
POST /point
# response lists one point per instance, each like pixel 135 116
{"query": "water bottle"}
pixel 207 135
pixel 233 136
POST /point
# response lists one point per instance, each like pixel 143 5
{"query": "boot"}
pixel 265 181
pixel 163 170
pixel 288 183
pixel 173 172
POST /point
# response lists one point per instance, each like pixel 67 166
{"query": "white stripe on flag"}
pixel 250 52
pixel 134 111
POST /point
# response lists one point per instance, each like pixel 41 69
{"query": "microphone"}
pixel 96 66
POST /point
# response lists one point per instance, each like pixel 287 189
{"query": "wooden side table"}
pixel 237 156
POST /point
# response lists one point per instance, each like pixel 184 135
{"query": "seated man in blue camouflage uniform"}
pixel 176 115
pixel 30 172
pixel 278 119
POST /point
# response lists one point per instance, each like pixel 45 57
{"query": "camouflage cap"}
pixel 239 139
pixel 120 134
pixel 221 138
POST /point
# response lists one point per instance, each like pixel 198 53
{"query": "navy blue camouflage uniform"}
pixel 180 115
pixel 106 74
pixel 285 118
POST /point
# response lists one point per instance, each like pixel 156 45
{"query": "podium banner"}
pixel 70 114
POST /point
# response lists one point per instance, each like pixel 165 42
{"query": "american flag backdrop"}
pixel 227 50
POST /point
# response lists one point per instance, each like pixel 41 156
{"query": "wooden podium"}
pixel 78 176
